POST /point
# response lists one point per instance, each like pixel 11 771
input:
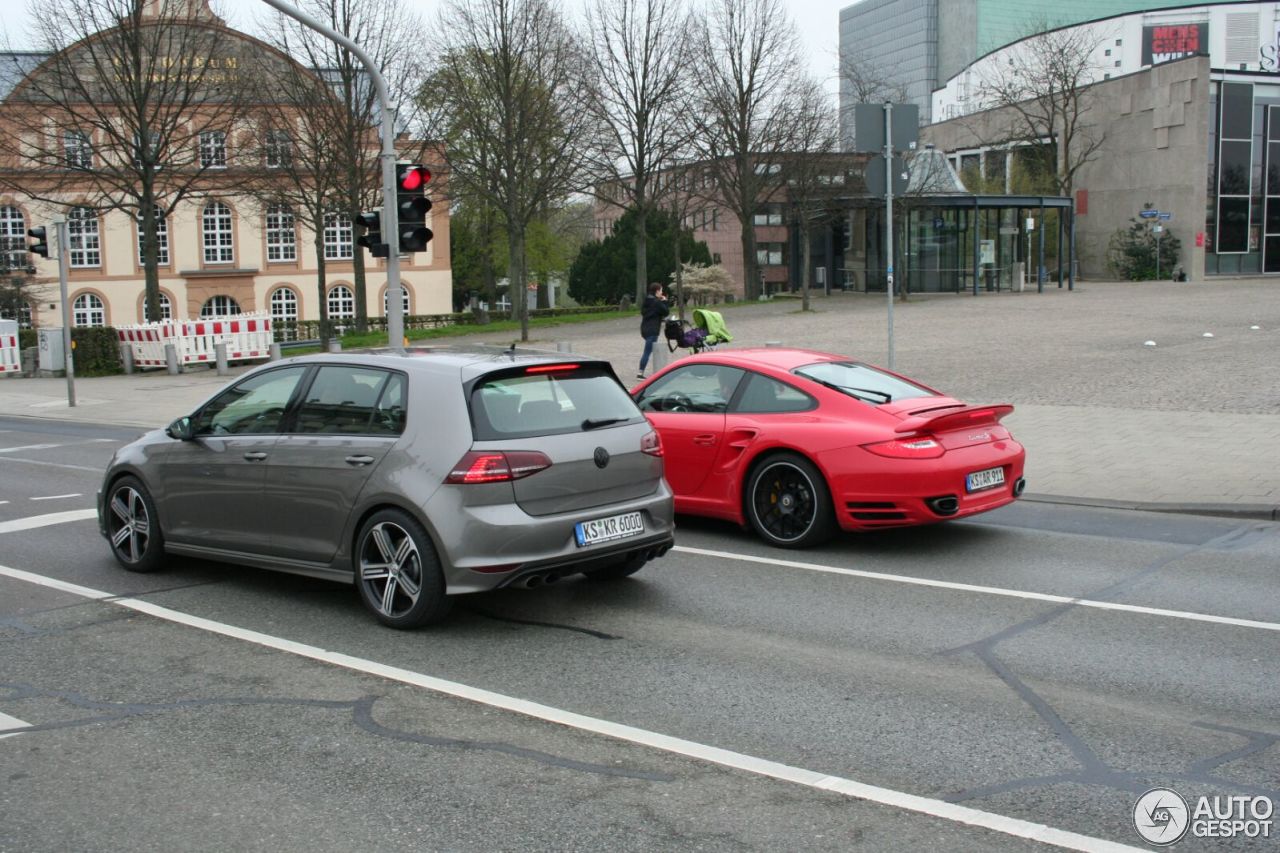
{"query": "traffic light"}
pixel 41 245
pixel 371 238
pixel 412 205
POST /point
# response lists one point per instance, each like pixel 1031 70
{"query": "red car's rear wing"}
pixel 969 416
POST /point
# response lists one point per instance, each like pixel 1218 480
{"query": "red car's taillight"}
pixel 651 444
pixel 497 466
pixel 919 447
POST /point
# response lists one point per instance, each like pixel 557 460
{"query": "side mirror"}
pixel 180 429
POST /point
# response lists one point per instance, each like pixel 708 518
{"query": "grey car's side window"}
pixel 388 415
pixel 255 406
pixel 696 388
pixel 343 398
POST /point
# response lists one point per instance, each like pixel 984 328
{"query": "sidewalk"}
pixel 1190 425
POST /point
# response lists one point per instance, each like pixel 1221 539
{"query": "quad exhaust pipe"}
pixel 945 505
pixel 1019 485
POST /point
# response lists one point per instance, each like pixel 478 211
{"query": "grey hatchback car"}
pixel 415 476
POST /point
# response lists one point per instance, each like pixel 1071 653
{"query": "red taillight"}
pixel 651 444
pixel 551 368
pixel 497 466
pixel 919 447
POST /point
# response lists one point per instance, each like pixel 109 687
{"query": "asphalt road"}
pixel 1040 665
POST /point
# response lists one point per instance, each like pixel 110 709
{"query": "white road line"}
pixel 52 464
pixel 618 731
pixel 2 503
pixel 28 447
pixel 9 724
pixel 56 497
pixel 35 521
pixel 985 590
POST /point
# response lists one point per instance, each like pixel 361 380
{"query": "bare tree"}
pixel 814 173
pixel 506 98
pixel 744 117
pixel 388 34
pixel 639 57
pixel 134 109
pixel 1044 95
pixel 865 82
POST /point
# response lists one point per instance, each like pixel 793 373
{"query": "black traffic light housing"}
pixel 371 238
pixel 41 245
pixel 412 205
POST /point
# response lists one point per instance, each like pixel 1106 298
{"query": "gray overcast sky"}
pixel 818 22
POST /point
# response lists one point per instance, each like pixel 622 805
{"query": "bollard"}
pixel 773 343
pixel 335 345
pixel 275 351
pixel 220 357
pixel 171 359
pixel 126 355
pixel 564 346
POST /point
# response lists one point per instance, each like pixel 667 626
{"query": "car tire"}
pixel 787 502
pixel 133 526
pixel 624 568
pixel 397 571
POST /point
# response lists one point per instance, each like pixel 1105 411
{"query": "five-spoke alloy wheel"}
pixel 133 527
pixel 788 503
pixel 397 571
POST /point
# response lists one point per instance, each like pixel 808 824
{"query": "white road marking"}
pixel 985 590
pixel 618 731
pixel 56 497
pixel 9 724
pixel 32 522
pixel 51 464
pixel 28 447
pixel 2 503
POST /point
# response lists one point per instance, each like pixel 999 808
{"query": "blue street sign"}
pixel 1148 214
pixel 1166 216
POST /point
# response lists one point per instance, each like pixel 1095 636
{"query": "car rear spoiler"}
pixel 969 416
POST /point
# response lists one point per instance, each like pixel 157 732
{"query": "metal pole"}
pixel 1159 234
pixel 1071 259
pixel 64 260
pixel 1040 262
pixel 888 215
pixel 390 220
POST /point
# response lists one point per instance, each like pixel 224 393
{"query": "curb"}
pixel 1259 512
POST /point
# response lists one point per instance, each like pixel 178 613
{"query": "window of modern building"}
pixel 213 149
pixel 1235 173
pixel 768 214
pixel 342 302
pixel 279 149
pixel 162 241
pixel 83 237
pixel 215 228
pixel 166 309
pixel 284 313
pixel 77 150
pixel 282 238
pixel 338 238
pixel 769 254
pixel 88 310
pixel 219 306
pixel 13 239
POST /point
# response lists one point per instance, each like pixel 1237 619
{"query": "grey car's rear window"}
pixel 544 400
pixel 862 381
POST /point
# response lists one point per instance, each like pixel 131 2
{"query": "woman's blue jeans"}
pixel 649 341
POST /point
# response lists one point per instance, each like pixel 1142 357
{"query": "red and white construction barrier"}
pixel 10 356
pixel 247 336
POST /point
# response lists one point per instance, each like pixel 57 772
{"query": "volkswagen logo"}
pixel 601 457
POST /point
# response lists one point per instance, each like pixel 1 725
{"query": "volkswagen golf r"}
pixel 415 477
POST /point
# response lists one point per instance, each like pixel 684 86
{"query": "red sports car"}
pixel 797 443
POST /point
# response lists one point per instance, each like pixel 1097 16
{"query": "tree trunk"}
pixel 358 278
pixel 679 278
pixel 150 259
pixel 751 288
pixel 320 284
pixel 806 254
pixel 515 275
pixel 642 253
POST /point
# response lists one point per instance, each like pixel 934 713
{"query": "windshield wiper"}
pixel 602 422
pixel 855 392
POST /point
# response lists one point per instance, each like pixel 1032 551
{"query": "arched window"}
pixel 386 295
pixel 166 309
pixel 219 306
pixel 13 239
pixel 216 227
pixel 88 310
pixel 342 302
pixel 338 239
pixel 282 240
pixel 162 241
pixel 82 233
pixel 23 314
pixel 284 313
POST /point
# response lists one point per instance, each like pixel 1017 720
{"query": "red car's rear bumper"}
pixel 870 491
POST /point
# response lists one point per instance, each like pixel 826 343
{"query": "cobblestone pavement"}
pixel 1192 422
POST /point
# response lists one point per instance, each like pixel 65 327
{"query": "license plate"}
pixel 608 529
pixel 988 479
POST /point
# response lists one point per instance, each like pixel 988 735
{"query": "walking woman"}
pixel 652 313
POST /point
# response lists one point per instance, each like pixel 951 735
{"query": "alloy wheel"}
pixel 130 525
pixel 390 569
pixel 784 502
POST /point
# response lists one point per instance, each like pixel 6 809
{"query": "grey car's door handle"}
pixel 255 456
pixel 359 460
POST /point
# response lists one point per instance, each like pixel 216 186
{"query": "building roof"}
pixel 15 66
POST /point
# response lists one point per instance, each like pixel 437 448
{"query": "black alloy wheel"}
pixel 788 503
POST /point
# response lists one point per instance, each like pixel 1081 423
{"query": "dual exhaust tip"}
pixel 950 504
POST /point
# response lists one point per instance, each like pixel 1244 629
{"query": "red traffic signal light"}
pixel 412 178
pixel 412 205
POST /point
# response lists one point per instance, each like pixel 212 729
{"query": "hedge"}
pixel 97 351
